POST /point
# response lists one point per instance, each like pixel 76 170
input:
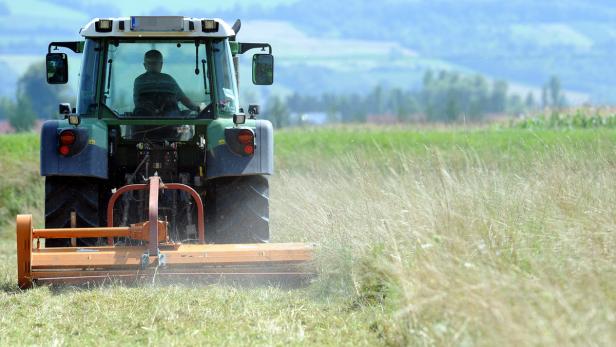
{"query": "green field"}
pixel 442 236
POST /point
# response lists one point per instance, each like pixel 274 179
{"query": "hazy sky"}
pixel 35 7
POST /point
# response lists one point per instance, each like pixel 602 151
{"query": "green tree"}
pixel 32 88
pixel 22 117
pixel 498 100
pixel 403 104
pixel 6 107
pixel 453 96
pixel 277 112
pixel 556 96
pixel 356 109
pixel 515 105
pixel 478 98
pixel 452 109
pixel 332 104
pixel 529 103
pixel 555 92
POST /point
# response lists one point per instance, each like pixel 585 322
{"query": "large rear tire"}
pixel 237 210
pixel 66 194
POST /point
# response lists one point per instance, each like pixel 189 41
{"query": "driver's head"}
pixel 153 61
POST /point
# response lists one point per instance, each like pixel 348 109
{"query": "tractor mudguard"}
pixel 90 161
pixel 222 161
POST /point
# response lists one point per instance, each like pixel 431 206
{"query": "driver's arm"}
pixel 136 87
pixel 184 99
pixel 188 103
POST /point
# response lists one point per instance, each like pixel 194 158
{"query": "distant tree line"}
pixel 444 96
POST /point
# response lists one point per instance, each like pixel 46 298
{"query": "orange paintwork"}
pixel 78 265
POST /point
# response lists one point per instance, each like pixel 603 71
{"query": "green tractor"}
pixel 158 97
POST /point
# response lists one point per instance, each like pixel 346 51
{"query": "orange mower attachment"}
pixel 157 257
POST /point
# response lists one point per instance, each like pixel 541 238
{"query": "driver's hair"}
pixel 153 55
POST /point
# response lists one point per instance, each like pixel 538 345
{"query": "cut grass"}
pixel 176 315
pixel 438 237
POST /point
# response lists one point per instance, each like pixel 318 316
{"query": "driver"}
pixel 156 93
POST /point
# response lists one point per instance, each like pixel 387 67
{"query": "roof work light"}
pixel 209 25
pixel 104 25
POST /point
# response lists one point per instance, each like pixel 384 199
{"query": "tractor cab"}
pixel 158 68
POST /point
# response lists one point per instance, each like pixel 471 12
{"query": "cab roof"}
pixel 157 26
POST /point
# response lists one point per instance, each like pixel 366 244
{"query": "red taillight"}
pixel 246 137
pixel 249 149
pixel 64 150
pixel 67 137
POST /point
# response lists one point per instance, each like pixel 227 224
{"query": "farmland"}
pixel 437 236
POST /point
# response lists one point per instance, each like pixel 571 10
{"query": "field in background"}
pixel 435 237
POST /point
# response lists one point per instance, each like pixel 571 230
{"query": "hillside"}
pixel 521 41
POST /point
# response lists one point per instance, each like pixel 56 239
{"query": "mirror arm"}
pixel 245 47
pixel 75 46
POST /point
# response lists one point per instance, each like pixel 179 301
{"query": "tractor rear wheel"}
pixel 64 195
pixel 237 210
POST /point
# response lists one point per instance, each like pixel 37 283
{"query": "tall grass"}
pixel 21 187
pixel 461 251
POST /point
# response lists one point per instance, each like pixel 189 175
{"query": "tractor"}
pixel 158 169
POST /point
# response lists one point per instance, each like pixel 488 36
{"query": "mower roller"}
pixel 157 258
pixel 158 102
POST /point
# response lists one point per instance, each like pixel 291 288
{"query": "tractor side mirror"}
pixel 263 69
pixel 57 68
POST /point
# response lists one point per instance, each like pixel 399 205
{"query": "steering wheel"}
pixel 156 104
